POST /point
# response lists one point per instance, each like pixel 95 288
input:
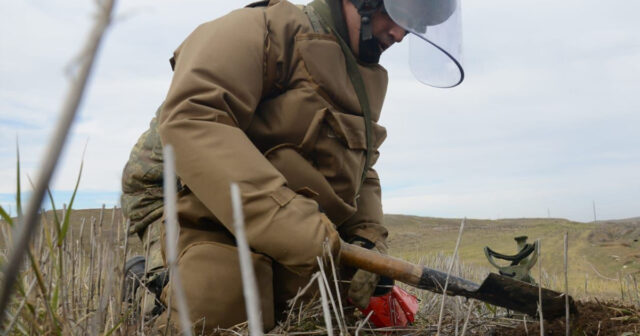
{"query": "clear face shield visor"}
pixel 435 44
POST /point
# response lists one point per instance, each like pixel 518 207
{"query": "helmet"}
pixel 435 41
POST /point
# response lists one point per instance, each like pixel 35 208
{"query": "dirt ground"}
pixel 593 318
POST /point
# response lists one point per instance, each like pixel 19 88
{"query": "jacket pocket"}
pixel 328 163
pixel 305 179
pixel 337 147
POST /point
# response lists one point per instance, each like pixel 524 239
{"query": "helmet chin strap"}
pixel 368 45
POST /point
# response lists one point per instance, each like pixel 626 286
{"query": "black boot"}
pixel 154 281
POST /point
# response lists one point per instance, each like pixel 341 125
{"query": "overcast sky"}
pixel 546 122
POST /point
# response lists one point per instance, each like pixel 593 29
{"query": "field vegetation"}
pixel 73 286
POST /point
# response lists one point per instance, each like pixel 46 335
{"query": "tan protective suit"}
pixel 260 99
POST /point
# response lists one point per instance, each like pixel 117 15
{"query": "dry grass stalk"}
pixel 99 249
pixel 456 316
pixel 632 278
pixel 145 293
pixel 472 303
pixel 60 261
pixel 89 305
pixel 325 307
pixel 106 317
pixel 125 248
pixel 171 229
pixel 330 294
pixel 621 284
pixel 97 318
pixel 113 269
pixel 446 282
pixel 68 250
pixel 29 222
pixel 80 263
pixel 51 265
pixel 19 309
pixel 566 282
pixel 44 291
pixel 41 245
pixel 540 289
pixel 6 237
pixel 363 322
pixel 249 286
pixel 586 283
pixel 292 302
pixel 335 279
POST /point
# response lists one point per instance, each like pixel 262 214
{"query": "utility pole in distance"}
pixel 595 220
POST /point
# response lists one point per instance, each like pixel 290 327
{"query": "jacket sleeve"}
pixel 217 84
pixel 367 222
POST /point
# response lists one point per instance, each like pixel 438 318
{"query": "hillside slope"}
pixel 599 254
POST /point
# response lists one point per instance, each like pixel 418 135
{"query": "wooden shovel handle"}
pixel 394 268
pixel 400 270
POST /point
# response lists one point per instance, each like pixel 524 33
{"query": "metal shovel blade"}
pixel 500 291
pixel 521 296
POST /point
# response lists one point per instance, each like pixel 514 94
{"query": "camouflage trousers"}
pixel 153 241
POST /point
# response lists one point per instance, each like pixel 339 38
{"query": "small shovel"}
pixel 495 289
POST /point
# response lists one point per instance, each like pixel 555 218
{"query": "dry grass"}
pixel 71 284
pixel 85 297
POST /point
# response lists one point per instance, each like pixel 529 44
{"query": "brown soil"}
pixel 593 318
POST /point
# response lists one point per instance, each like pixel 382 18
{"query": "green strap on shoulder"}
pixel 320 8
pixel 316 24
